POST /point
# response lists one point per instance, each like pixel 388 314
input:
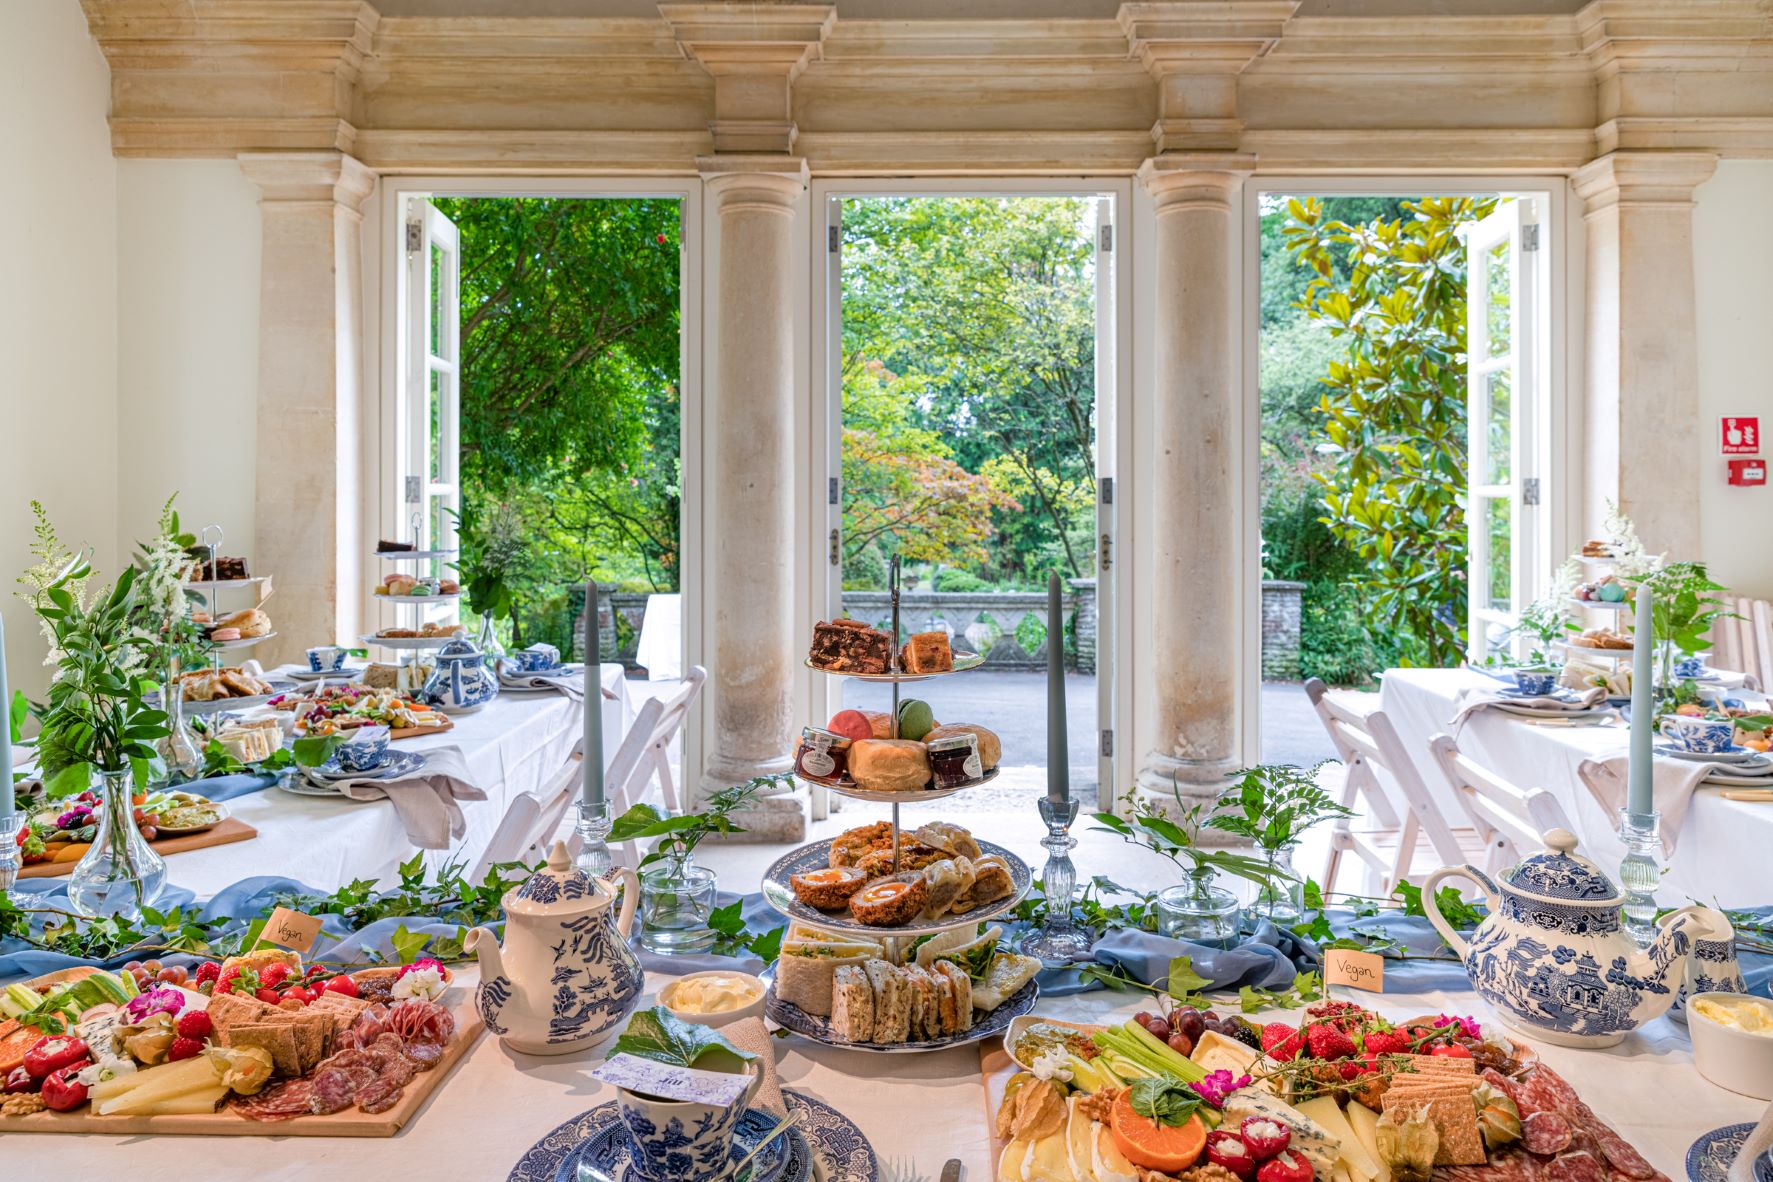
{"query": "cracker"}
pixel 313 1037
pixel 278 1039
pixel 1443 1064
pixel 227 1010
pixel 1454 1118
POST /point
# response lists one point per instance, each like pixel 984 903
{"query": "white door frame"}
pixel 1560 342
pixel 1115 701
pixel 384 269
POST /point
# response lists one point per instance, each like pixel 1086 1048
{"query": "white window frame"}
pixel 1114 368
pixel 384 277
pixel 430 359
pixel 1562 465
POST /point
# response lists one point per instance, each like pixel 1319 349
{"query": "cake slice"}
pixel 850 646
pixel 927 652
pixel 852 1004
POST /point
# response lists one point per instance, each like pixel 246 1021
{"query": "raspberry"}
pixel 195 1024
pixel 184 1048
pixel 1328 1042
pixel 209 970
pixel 1280 1041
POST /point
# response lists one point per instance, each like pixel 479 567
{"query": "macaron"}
pixel 851 724
pixel 916 719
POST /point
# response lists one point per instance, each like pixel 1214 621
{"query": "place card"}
pixel 1357 970
pixel 667 1081
pixel 291 929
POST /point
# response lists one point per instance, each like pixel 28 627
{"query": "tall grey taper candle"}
pixel 1639 795
pixel 591 772
pixel 1058 755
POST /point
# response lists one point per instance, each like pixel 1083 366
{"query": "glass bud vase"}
pixel 1198 911
pixel 180 749
pixel 676 899
pixel 1283 899
pixel 120 874
pixel 490 648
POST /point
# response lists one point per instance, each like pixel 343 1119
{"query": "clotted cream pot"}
pixel 565 976
pixel 1553 957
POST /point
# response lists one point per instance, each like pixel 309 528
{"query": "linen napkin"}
pixel 425 800
pixel 749 1034
pixel 1478 698
pixel 573 687
pixel 1759 1140
pixel 1672 782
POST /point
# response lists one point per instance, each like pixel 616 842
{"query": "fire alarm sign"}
pixel 1741 434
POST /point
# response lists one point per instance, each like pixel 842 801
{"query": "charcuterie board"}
pixel 228 831
pixel 413 732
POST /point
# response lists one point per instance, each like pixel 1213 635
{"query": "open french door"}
pixel 1107 389
pixel 1507 454
pixel 429 407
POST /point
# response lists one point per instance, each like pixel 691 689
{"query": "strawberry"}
pixel 1280 1041
pixel 224 982
pixel 184 1048
pixel 195 1024
pixel 273 974
pixel 1386 1042
pixel 1328 1042
pixel 268 995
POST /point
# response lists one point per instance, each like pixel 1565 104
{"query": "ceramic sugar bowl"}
pixel 462 680
pixel 564 978
pixel 1553 957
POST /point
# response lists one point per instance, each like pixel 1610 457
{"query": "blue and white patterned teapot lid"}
pixel 1561 875
pixel 558 888
pixel 459 648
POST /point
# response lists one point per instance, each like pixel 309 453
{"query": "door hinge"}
pixel 415 235
pixel 1107 743
pixel 1105 238
pixel 1530 237
pixel 836 548
pixel 1105 560
pixel 412 490
pixel 831 490
pixel 833 236
pixel 1530 490
pixel 1106 487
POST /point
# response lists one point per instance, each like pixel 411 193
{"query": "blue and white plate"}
pixel 1560 693
pixel 1711 1156
pixel 844 1154
pixel 1741 757
pixel 817 855
pixel 395 765
pixel 811 1026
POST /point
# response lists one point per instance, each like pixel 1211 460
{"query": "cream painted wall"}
pixel 1732 259
pixel 58 295
pixel 187 346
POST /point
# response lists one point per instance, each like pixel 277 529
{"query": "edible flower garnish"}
pixel 1218 1085
pixel 1051 1064
pixel 424 962
pixel 1467 1026
pixel 154 1001
pixel 426 983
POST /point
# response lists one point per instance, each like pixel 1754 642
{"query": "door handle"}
pixel 836 547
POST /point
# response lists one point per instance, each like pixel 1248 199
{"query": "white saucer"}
pixel 1736 756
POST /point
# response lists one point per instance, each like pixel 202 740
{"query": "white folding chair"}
pixel 1509 820
pixel 1368 745
pixel 1744 642
pixel 656 758
pixel 625 781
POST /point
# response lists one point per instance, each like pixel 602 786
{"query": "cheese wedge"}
pixel 1080 1141
pixel 1365 1123
pixel 1328 1114
pixel 1048 1160
pixel 1009 1162
pixel 1217 1051
pixel 1109 1163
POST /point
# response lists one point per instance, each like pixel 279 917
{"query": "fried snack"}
pixel 913 855
pixel 828 889
pixel 956 840
pixel 892 901
pixel 848 847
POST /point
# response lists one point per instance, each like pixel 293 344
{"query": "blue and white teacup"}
pixel 682 1140
pixel 365 750
pixel 1535 681
pixel 326 658
pixel 1698 735
pixel 1688 667
pixel 536 658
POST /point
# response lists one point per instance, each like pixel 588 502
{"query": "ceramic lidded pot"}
pixel 564 978
pixel 1553 957
pixel 461 681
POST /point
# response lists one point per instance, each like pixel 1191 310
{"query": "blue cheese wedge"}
pixel 1311 1139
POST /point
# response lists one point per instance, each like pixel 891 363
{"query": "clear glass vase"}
pixel 1199 912
pixel 490 648
pixel 676 899
pixel 180 749
pixel 1283 898
pixel 120 874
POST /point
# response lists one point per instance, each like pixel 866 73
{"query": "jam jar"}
pixel 823 756
pixel 954 761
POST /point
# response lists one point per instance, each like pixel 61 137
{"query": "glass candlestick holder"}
pixel 1058 940
pixel 593 828
pixel 1640 873
pixel 12 859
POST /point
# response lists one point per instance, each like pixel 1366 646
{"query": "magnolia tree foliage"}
pixel 1393 410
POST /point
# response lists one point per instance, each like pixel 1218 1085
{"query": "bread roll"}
pixel 880 722
pixel 990 747
pixel 889 765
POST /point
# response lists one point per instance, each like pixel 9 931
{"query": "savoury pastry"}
pixel 848 847
pixel 889 902
pixel 957 840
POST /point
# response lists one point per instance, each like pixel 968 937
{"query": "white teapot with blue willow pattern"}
pixel 565 977
pixel 1553 957
pixel 462 681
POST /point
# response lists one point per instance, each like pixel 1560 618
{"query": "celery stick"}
pixel 1180 1066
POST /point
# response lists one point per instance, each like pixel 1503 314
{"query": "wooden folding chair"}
pixel 1368 744
pixel 1510 821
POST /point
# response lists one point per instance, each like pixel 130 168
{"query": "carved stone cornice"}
pixel 754 182
pixel 753 53
pixel 1642 179
pixel 309 178
pixel 1184 180
pixel 1195 50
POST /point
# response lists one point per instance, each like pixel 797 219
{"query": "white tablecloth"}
pixel 1723 844
pixel 660 649
pixel 916 1109
pixel 514 744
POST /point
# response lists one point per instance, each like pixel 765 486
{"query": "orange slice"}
pixel 1145 1142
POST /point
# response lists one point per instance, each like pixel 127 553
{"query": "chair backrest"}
pixel 1744 641
pixel 656 759
pixel 1510 820
pixel 531 820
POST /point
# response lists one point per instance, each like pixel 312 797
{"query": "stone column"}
pixel 1194 643
pixel 755 643
pixel 310 394
pixel 1641 411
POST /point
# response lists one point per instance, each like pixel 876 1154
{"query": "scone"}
pixel 889 765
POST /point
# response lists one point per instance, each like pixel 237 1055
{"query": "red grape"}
pixel 1181 1043
pixel 1160 1029
pixel 1190 1022
pixel 1143 1018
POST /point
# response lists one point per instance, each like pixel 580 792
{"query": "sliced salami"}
pixel 334 1091
pixel 379 1096
pixel 283 1101
pixel 1545 1133
pixel 1577 1166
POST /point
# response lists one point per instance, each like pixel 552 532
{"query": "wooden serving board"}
pixel 227 831
pixel 353 1122
pixel 995 1069
pixel 413 732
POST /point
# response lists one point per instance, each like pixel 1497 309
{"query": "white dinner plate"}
pixel 406 642
pixel 1591 714
pixel 393 767
pixel 243 642
pixel 1737 757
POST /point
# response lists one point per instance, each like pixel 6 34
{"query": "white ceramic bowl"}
pixel 753 1009
pixel 1732 1058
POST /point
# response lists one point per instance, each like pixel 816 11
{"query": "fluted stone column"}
pixel 755 643
pixel 1195 546
pixel 309 457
